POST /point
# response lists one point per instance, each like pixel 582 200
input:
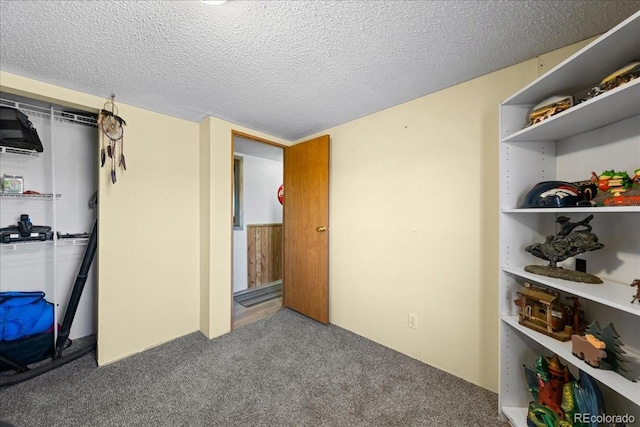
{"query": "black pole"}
pixel 76 293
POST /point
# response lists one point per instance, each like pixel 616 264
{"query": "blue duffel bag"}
pixel 23 314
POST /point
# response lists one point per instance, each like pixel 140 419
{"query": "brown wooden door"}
pixel 306 228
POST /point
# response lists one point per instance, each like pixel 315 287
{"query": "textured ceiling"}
pixel 287 68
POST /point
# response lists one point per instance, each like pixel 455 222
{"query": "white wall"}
pixel 262 177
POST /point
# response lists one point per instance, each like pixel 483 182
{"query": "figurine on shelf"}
pixel 617 188
pixel 558 397
pixel 636 297
pixel 615 359
pixel 577 316
pixel 588 348
pixel 540 309
pixel 623 75
pixel 567 243
pixel 549 107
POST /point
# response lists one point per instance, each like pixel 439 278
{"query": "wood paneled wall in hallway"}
pixel 264 253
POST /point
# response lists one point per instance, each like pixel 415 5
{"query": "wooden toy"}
pixel 588 348
pixel 539 309
pixel 615 360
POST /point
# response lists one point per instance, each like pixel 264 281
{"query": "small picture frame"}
pixel 13 184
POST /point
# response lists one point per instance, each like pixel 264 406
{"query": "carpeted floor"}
pixel 285 370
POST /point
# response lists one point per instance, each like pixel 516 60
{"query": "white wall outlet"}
pixel 413 320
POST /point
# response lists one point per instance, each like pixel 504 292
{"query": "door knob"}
pixel 321 229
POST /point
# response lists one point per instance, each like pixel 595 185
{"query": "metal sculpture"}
pixel 569 242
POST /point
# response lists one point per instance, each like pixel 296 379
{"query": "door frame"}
pixel 241 134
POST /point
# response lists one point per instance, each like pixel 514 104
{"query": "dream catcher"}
pixel 111 126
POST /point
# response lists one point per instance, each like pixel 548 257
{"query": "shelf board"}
pixel 611 379
pixel 39 244
pixel 616 48
pixel 21 246
pixel 516 415
pixel 594 209
pixel 610 107
pixel 612 294
pixel 29 196
pixel 18 151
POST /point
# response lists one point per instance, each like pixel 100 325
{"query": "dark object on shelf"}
pixel 556 194
pixel 73 236
pixel 16 131
pixel 636 297
pixel 567 243
pixel 18 370
pixel 25 231
pixel 615 361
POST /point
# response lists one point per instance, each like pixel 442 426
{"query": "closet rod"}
pixel 45 112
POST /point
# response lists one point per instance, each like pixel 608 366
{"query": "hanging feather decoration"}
pixel 111 126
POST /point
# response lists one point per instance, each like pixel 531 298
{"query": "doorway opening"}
pixel 257 215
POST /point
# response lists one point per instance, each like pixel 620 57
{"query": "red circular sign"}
pixel 281 194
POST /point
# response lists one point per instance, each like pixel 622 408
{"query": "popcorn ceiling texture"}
pixel 287 68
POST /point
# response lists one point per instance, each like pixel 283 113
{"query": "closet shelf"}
pixel 19 151
pixel 29 196
pixel 35 245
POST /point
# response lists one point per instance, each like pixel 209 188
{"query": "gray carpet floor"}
pixel 285 370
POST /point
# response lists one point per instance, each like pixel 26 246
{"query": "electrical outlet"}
pixel 413 320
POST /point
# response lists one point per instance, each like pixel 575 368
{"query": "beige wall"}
pixel 414 223
pixel 216 287
pixel 147 257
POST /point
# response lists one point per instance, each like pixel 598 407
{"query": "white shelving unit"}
pixel 68 165
pixel 599 134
